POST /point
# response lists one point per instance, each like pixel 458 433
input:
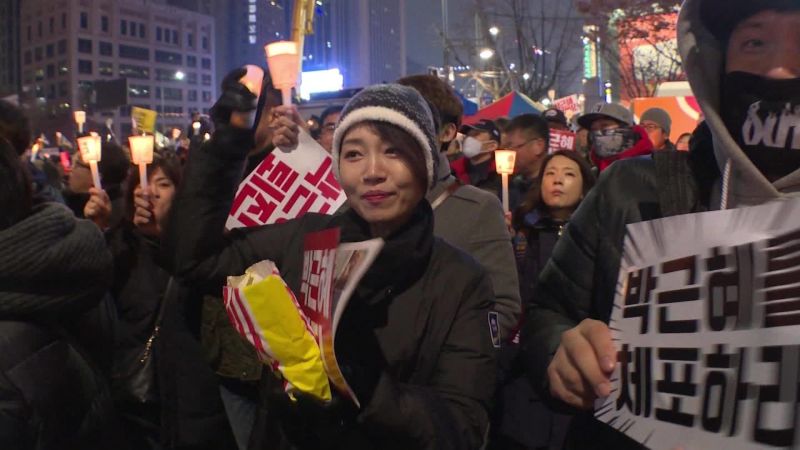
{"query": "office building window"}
pixel 105 68
pixel 84 46
pixel 206 80
pixel 205 42
pixel 190 40
pixel 39 75
pixel 191 95
pixel 37 54
pixel 206 96
pixel 84 67
pixel 105 48
pixel 84 20
pixel 129 71
pixel 49 50
pixel 206 63
pixel 131 52
pixel 123 27
pixel 169 57
pixel 104 24
pixel 51 71
pixel 191 78
pixel 62 46
pixel 138 91
pixel 173 94
pixel 158 34
pixel 52 25
pixel 63 89
pixel 191 61
pixel 28 58
pixel 142 31
pixel 63 68
pixel 175 39
pixel 165 75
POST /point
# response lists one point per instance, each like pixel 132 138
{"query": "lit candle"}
pixel 142 155
pixel 283 60
pixel 196 128
pixel 80 119
pixel 91 152
pixel 504 163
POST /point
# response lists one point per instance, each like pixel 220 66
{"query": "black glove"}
pixel 235 97
pixel 311 423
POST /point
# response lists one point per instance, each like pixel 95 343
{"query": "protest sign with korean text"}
pixel 570 105
pixel 331 271
pixel 706 321
pixel 287 185
pixel 561 140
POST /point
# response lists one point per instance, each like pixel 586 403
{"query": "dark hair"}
pixel 16 188
pixel 439 94
pixel 14 126
pixel 535 126
pixel 113 165
pixel 167 161
pixel 335 109
pixel 502 123
pixel 405 144
pixel 533 199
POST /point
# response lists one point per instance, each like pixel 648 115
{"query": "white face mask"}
pixel 471 147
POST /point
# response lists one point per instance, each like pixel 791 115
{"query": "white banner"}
pixel 287 185
pixel 707 323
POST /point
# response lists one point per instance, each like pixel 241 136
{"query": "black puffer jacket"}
pixel 414 341
pixel 579 281
pixel 54 271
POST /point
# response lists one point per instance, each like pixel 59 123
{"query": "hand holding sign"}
pixel 579 372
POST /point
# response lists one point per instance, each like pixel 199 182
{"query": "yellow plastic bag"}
pixel 264 310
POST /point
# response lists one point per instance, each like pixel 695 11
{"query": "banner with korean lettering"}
pixel 331 272
pixel 569 105
pixel 561 140
pixel 287 185
pixel 143 120
pixel 706 320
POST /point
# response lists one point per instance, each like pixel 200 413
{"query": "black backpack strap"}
pixel 677 187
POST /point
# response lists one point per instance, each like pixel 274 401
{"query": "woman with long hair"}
pixel 522 421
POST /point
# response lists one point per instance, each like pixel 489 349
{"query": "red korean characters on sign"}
pixel 561 140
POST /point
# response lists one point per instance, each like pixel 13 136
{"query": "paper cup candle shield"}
pixel 80 119
pixel 142 155
pixel 284 64
pixel 504 162
pixel 91 152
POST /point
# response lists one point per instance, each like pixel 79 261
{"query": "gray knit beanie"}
pixel 398 105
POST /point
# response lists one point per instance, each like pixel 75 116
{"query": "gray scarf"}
pixel 52 264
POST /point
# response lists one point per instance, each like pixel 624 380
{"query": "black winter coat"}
pixel 579 281
pixel 54 271
pixel 414 342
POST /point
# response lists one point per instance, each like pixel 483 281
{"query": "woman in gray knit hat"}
pixel 414 342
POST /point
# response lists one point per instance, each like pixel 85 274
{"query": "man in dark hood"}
pixel 742 59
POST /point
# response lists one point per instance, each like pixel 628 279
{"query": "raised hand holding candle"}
pixel 142 155
pixel 283 61
pixel 91 152
pixel 80 119
pixel 504 163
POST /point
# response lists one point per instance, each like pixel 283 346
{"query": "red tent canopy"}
pixel 512 105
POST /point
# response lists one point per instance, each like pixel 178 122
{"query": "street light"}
pixel 494 31
pixel 179 75
pixel 486 53
pixel 526 76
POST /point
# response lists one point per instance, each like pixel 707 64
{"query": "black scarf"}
pixel 52 264
pixel 404 256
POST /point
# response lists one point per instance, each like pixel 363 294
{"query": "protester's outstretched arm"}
pixel 450 412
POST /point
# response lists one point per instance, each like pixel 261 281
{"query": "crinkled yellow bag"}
pixel 264 310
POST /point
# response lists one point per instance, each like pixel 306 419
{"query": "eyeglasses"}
pixel 519 146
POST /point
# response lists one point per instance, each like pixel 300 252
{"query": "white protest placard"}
pixel 706 321
pixel 287 185
pixel 561 140
pixel 569 105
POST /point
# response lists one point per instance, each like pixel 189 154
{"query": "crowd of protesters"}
pixel 474 328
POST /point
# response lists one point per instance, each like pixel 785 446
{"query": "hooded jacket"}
pixel 54 271
pixel 643 147
pixel 703 58
pixel 579 281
